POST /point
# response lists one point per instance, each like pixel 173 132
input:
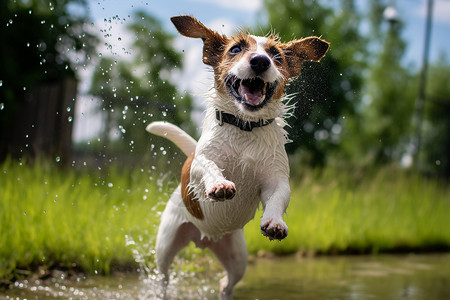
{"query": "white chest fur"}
pixel 250 160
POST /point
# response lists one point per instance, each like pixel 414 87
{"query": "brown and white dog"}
pixel 240 160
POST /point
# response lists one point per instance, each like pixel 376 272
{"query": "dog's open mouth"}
pixel 253 92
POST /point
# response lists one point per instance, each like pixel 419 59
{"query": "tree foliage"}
pixel 435 150
pixel 389 93
pixel 134 93
pixel 40 40
pixel 326 93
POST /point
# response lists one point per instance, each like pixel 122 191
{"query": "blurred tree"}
pixel 435 151
pixel 326 93
pixel 40 41
pixel 135 92
pixel 385 124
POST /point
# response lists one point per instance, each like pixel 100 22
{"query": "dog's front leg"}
pixel 275 194
pixel 205 172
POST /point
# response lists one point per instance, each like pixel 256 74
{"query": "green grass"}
pixel 98 221
pixel 51 217
pixel 389 210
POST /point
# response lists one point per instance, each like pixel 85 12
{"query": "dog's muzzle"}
pixel 254 93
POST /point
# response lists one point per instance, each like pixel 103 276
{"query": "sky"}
pixel 225 16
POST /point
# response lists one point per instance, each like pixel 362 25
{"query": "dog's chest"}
pixel 247 159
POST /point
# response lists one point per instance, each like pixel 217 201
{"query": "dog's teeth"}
pixel 245 97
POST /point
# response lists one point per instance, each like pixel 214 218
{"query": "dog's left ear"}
pixel 307 49
pixel 213 42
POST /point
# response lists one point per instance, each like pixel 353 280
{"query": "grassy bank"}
pixel 98 221
pixel 67 219
pixel 388 210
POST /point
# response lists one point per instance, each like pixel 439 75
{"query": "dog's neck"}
pixel 224 117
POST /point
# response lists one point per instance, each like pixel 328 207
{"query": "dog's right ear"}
pixel 213 42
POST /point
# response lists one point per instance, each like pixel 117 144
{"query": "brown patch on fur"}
pixel 189 200
pixel 228 60
pixel 307 49
pixel 213 42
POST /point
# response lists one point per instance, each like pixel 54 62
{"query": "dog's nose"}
pixel 259 63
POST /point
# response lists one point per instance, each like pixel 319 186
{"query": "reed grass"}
pixel 98 221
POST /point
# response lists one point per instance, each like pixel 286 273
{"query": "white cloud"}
pixel 247 5
pixel 441 11
pixel 223 25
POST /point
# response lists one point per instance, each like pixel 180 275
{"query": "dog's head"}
pixel 251 71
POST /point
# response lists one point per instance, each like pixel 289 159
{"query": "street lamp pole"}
pixel 420 102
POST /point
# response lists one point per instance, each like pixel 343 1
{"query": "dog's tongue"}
pixel 252 94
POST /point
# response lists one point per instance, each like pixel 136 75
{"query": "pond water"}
pixel 384 277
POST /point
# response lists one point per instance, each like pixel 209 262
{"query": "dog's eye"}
pixel 276 55
pixel 236 49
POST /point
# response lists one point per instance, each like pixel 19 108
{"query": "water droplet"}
pixel 69 119
pixel 110 185
pixel 2 106
pixel 68 109
pixel 58 159
pixel 1 82
pixel 25 213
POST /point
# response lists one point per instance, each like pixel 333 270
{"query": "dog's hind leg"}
pixel 174 233
pixel 231 250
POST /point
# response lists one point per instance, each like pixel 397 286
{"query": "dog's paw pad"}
pixel 274 231
pixel 222 190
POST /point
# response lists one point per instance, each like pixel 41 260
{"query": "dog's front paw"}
pixel 274 230
pixel 221 191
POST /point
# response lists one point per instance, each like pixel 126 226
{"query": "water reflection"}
pixel 384 277
pixel 355 277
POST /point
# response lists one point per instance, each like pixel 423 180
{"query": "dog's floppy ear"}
pixel 307 49
pixel 213 42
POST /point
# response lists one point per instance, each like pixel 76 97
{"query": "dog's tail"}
pixel 175 134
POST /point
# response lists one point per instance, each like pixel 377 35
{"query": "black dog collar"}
pixel 224 117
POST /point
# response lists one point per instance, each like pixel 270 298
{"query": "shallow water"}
pixel 384 277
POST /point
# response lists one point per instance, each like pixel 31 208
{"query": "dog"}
pixel 240 160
